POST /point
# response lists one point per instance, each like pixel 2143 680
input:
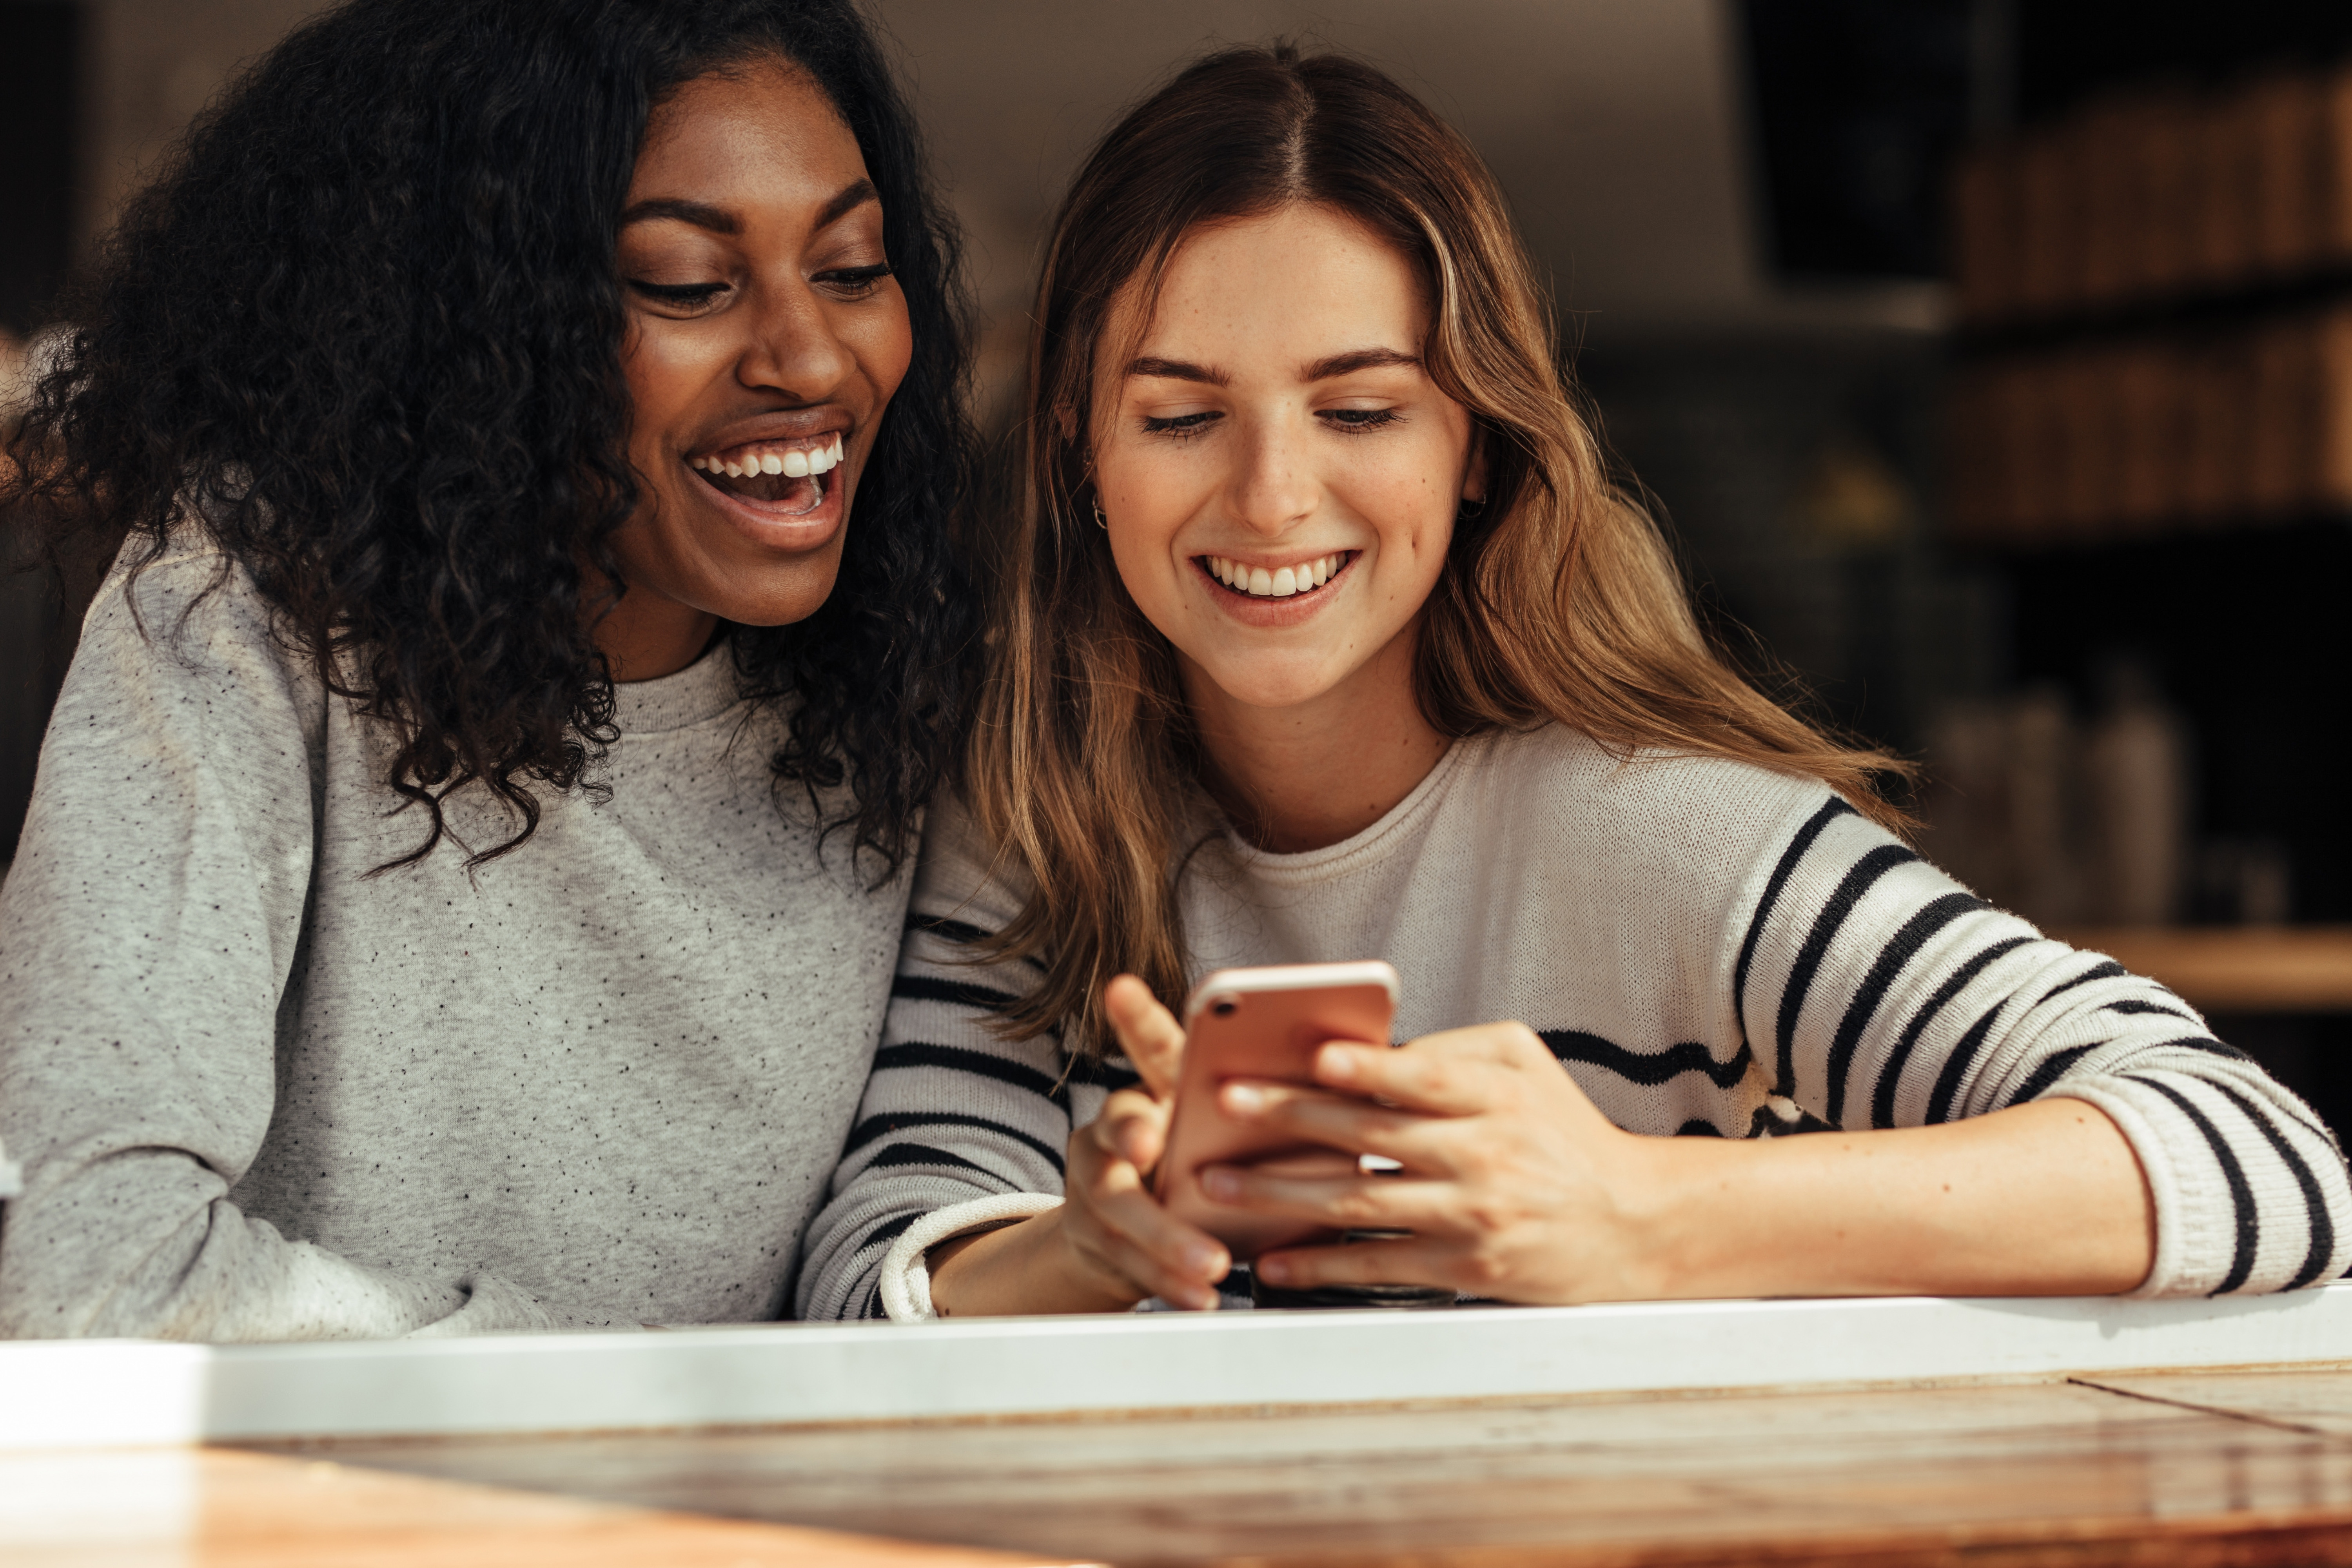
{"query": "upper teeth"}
pixel 794 462
pixel 1279 583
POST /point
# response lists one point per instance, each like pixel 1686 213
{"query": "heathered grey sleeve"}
pixel 148 929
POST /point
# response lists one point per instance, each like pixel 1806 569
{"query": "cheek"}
pixel 1410 503
pixel 883 340
pixel 1151 498
pixel 663 370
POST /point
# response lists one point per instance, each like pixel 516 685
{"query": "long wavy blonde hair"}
pixel 1559 602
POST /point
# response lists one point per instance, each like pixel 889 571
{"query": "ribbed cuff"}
pixel 2186 1233
pixel 907 1278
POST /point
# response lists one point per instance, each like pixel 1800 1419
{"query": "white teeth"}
pixel 793 463
pixel 1281 582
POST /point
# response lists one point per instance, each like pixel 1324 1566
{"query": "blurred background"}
pixel 1990 362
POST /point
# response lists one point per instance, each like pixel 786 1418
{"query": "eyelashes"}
pixel 1182 427
pixel 856 283
pixel 1349 421
pixel 843 282
pixel 688 294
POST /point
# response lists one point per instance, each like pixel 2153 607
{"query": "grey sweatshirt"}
pixel 258 1094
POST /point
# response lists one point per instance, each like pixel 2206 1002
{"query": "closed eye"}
pixel 1355 419
pixel 690 296
pixel 855 282
pixel 1182 425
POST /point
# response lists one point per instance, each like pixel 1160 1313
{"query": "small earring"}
pixel 1101 520
pixel 1472 507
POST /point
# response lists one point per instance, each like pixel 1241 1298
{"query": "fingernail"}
pixel 1202 1259
pixel 1244 1098
pixel 1218 1182
pixel 1336 1064
pixel 1273 1268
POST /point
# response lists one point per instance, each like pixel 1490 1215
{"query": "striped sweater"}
pixel 1710 948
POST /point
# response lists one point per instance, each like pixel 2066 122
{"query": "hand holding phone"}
pixel 1265 1023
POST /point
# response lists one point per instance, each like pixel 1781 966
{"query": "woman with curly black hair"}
pixel 469 853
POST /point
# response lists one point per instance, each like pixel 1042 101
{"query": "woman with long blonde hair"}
pixel 1323 635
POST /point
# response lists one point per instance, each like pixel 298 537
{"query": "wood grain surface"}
pixel 2250 969
pixel 2299 1398
pixel 191 1508
pixel 2033 1474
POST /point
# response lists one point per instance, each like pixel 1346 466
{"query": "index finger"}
pixel 1147 1033
pixel 1429 1083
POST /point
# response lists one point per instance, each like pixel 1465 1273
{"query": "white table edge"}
pixel 82 1393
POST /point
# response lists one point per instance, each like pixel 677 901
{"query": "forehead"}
pixel 760 128
pixel 1290 286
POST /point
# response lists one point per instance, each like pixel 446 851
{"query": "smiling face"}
pixel 1279 472
pixel 766 336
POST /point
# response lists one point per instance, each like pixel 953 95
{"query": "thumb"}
pixel 1147 1033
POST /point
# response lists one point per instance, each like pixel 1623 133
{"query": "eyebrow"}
pixel 1323 369
pixel 701 215
pixel 1355 360
pixel 1178 370
pixel 718 220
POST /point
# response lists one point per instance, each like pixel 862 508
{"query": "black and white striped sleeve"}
pixel 958 1128
pixel 1877 992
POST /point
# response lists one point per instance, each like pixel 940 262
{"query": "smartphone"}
pixel 1262 1024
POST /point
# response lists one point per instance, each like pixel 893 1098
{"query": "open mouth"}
pixel 1277 582
pixel 773 475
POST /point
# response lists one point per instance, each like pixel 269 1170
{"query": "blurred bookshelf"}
pixel 2139 502
pixel 2148 439
pixel 2156 298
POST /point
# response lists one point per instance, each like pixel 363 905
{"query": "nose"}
pixel 792 347
pixel 1275 486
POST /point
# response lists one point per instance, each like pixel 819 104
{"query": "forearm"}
pixel 1017 1270
pixel 2046 1198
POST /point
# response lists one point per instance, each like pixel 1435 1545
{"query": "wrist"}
pixel 1021 1269
pixel 1676 1209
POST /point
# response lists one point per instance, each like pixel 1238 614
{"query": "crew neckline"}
pixel 1399 818
pixel 703 690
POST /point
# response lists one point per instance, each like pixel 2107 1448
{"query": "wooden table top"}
pixel 2236 969
pixel 2237 1468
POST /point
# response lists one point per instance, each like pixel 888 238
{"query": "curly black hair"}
pixel 365 331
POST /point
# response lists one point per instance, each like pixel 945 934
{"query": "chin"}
pixel 1260 688
pixel 782 604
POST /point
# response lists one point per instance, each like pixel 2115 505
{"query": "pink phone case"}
pixel 1266 1024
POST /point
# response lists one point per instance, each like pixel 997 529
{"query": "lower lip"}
pixel 771 527
pixel 1251 610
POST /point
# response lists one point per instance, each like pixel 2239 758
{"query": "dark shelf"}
pixel 2098 542
pixel 2219 309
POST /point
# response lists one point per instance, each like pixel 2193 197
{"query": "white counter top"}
pixel 65 1394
